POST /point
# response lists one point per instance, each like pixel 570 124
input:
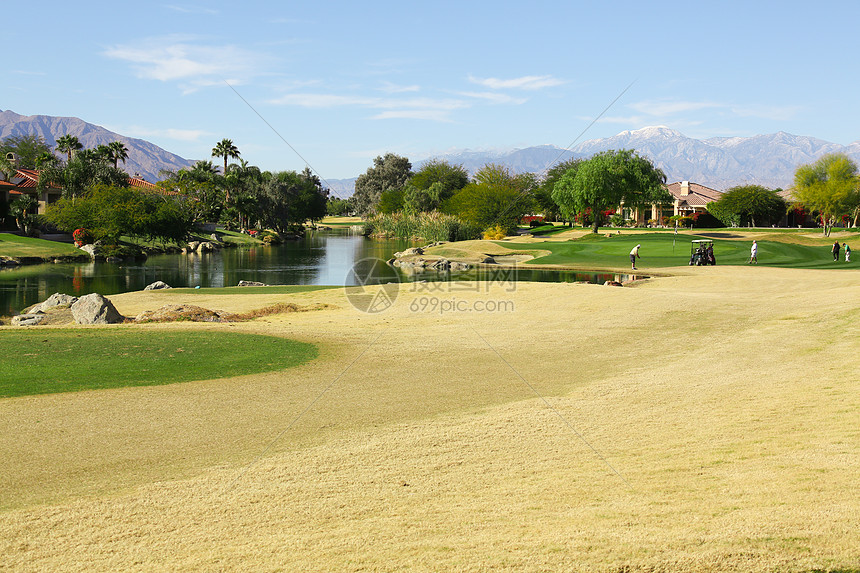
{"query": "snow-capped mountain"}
pixel 719 162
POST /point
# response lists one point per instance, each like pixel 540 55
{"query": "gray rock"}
pixel 458 266
pixel 193 246
pixel 113 260
pixel 95 309
pixel 90 250
pixel 29 319
pixel 157 285
pixel 56 299
pixel 251 283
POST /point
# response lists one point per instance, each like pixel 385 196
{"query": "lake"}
pixel 320 258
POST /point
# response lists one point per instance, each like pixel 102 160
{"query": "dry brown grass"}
pixel 727 402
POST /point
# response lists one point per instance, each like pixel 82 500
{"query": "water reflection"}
pixel 323 258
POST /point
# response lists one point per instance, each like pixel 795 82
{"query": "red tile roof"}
pixel 698 195
pixel 140 183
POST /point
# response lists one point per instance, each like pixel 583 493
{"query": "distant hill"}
pixel 144 157
pixel 719 162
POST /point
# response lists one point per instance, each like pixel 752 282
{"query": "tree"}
pixel 286 200
pixel 84 170
pixel 494 197
pixel 110 212
pixel 434 183
pixel 118 152
pixel 829 187
pixel 388 172
pixel 27 149
pixel 544 202
pixel 609 179
pixel 748 204
pixel 68 144
pixel 225 149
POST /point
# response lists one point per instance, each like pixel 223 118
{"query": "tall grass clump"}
pixel 432 226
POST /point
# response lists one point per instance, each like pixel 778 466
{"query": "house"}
pixel 26 182
pixel 687 199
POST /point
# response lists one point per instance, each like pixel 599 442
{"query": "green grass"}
pixel 599 251
pixel 15 246
pixel 51 361
pixel 278 289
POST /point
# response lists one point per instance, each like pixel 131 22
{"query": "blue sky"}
pixel 343 82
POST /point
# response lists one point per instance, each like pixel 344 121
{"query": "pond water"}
pixel 320 258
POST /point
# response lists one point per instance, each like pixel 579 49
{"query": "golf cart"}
pixel 702 253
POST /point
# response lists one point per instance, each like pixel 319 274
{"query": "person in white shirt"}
pixel 633 255
pixel 754 253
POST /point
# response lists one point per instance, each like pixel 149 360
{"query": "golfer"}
pixel 633 255
pixel 847 252
pixel 754 253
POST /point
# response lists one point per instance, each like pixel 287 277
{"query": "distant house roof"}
pixel 696 195
pixel 140 183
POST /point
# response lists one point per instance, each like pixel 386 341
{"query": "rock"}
pixel 89 249
pixel 410 252
pixel 612 283
pixel 29 319
pixel 458 266
pixel 440 265
pixel 56 299
pixel 95 309
pixel 113 259
pixel 488 260
pixel 251 283
pixel 157 285
pixel 215 237
pixel 192 246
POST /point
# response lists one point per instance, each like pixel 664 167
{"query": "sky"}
pixel 334 84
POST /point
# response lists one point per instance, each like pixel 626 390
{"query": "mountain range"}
pixel 718 162
pixel 144 158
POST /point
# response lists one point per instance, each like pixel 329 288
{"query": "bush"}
pixel 82 237
pixel 432 226
pixel 495 233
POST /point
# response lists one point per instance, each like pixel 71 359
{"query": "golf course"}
pixel 701 419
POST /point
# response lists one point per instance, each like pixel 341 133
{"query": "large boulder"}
pixel 95 309
pixel 251 283
pixel 157 285
pixel 56 299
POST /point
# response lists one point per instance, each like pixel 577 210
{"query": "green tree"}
pixel 118 152
pixel 609 179
pixel 23 209
pixel 388 172
pixel 227 150
pixel 544 202
pixel 86 169
pixel 829 187
pixel 495 196
pixel 111 212
pixel 338 207
pixel 286 200
pixel 751 204
pixel 27 149
pixel 68 144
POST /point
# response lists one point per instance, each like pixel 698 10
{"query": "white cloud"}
pixel 426 114
pixel 522 83
pixel 494 97
pixel 391 88
pixel 191 9
pixel 169 133
pixel 180 59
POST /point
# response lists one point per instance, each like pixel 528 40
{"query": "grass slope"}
pixel 49 361
pixel 667 250
pixel 15 246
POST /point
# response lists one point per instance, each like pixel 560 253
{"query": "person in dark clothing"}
pixel 835 250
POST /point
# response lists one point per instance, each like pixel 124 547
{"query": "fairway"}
pixel 48 360
pixel 705 421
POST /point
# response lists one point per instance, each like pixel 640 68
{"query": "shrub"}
pixel 82 237
pixel 495 233
pixel 433 226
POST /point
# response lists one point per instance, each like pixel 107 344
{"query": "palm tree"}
pixel 68 144
pixel 225 149
pixel 118 152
